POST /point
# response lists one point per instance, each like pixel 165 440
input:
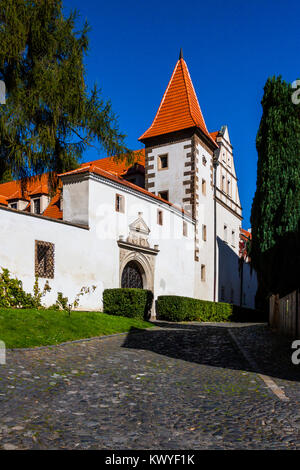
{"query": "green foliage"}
pixel 83 291
pixel 275 216
pixel 62 303
pixel 49 118
pixel 177 308
pixel 13 295
pixel 31 327
pixel 38 294
pixel 134 303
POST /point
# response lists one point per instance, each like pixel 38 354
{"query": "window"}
pixel 223 183
pixel 163 162
pixel 204 161
pixel 44 259
pixel 37 206
pixel 228 187
pixel 225 233
pixel 184 229
pixel 204 187
pixel 14 205
pixel 204 233
pixel 233 238
pixel 120 203
pixel 202 272
pixel 164 195
pixel 160 217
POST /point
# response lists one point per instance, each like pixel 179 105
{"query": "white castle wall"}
pixel 92 257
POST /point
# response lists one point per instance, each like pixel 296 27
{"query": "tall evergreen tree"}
pixel 275 216
pixel 50 117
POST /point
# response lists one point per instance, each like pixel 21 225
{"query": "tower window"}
pixel 225 233
pixel 164 195
pixel 202 272
pixel 204 187
pixel 120 203
pixel 204 233
pixel 233 238
pixel 160 217
pixel 163 162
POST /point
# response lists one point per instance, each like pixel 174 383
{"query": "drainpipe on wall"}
pixel 215 165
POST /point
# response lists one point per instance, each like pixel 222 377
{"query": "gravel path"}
pixel 175 386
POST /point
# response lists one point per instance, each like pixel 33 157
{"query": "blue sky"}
pixel 231 48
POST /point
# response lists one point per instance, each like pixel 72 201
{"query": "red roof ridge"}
pixel 188 93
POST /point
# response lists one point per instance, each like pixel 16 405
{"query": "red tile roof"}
pixel 3 201
pixel 93 168
pixel 245 236
pixel 214 135
pixel 36 185
pixel 179 108
pixel 39 185
pixel 53 210
pixel 112 165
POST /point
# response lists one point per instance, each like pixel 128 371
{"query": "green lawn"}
pixel 29 327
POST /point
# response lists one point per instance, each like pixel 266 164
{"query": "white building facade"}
pixel 179 235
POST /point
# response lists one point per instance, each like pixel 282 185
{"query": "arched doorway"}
pixel 132 276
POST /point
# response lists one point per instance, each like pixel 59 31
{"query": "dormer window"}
pixel 36 206
pixel 14 205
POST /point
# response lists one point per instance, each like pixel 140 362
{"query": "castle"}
pixel 170 222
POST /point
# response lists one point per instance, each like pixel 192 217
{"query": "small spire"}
pixel 180 54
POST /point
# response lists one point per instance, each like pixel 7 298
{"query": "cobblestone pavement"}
pixel 175 386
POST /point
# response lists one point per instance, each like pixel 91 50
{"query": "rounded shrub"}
pixel 177 308
pixel 133 303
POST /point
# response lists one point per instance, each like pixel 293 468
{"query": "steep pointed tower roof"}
pixel 179 109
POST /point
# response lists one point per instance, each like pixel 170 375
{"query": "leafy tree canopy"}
pixel 275 212
pixel 50 117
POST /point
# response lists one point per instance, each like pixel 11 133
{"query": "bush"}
pixel 134 303
pixel 13 295
pixel 176 308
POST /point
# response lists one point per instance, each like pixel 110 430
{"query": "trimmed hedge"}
pixel 132 303
pixel 176 308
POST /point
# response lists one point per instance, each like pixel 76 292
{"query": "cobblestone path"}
pixel 175 386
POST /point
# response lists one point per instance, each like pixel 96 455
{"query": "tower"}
pixel 181 158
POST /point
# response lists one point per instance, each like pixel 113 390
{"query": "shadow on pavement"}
pixel 212 345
